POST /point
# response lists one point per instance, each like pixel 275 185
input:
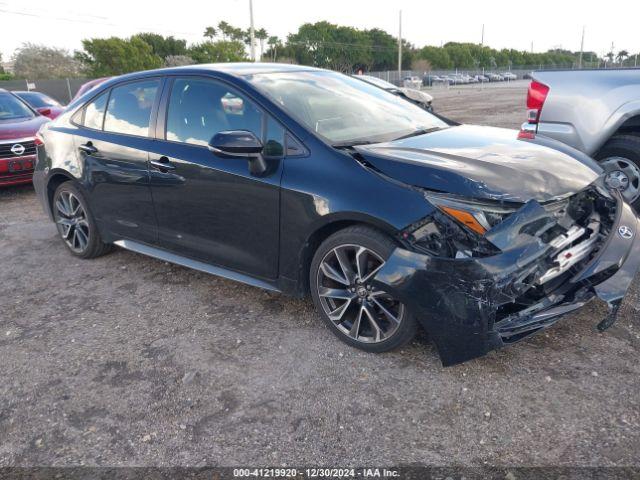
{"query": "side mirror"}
pixel 240 143
pixel 44 111
pixel 236 143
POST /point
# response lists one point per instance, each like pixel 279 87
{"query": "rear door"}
pixel 114 140
pixel 209 207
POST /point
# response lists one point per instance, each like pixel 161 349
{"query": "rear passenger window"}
pixel 94 112
pixel 129 108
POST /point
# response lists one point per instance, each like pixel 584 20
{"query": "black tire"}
pixel 626 147
pixel 378 248
pixel 94 246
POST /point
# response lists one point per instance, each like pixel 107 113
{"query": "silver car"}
pixel 596 112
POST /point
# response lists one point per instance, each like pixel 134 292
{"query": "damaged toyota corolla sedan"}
pixel 302 180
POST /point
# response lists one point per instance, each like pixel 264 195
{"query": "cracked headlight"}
pixel 476 216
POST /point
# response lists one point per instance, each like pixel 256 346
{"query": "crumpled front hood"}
pixel 484 163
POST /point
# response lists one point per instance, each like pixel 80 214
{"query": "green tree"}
pixel 261 35
pixel 210 33
pixel 384 49
pixel 610 56
pixel 220 51
pixel 622 54
pixel 436 56
pixel 274 44
pixel 225 29
pixel 163 47
pixel 326 45
pixel 104 57
pixel 460 55
pixel 39 61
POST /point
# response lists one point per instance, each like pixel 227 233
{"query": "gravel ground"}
pixel 126 360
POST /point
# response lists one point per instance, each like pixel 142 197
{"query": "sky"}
pixel 508 24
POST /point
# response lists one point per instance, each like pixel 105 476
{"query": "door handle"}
pixel 88 148
pixel 163 163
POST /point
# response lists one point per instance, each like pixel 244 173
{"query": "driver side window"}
pixel 200 108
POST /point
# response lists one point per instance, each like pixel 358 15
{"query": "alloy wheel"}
pixel 349 299
pixel 71 220
pixel 624 175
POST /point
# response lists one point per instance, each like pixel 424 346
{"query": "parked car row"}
pixel 463 78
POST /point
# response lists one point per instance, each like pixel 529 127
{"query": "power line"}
pixel 106 24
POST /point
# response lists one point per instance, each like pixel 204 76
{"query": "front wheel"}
pixel 620 159
pixel 340 278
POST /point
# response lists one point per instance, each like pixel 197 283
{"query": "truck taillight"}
pixel 536 95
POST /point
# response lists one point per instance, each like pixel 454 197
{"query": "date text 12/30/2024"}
pixel 315 473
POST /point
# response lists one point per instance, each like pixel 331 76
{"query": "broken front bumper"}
pixel 460 302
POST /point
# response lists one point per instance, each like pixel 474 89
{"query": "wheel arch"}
pixel 56 178
pixel 323 231
pixel 631 126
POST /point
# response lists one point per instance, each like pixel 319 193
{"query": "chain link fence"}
pixel 431 77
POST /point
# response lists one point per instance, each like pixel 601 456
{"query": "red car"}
pixel 88 86
pixel 41 103
pixel 19 124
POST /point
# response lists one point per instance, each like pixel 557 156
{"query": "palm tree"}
pixel 273 42
pixel 622 54
pixel 262 35
pixel 610 56
pixel 225 29
pixel 210 32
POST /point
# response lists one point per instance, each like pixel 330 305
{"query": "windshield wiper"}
pixel 420 131
pixel 352 143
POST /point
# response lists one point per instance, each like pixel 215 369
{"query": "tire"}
pixel 75 222
pixel 365 322
pixel 621 155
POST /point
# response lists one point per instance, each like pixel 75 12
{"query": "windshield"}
pixel 11 108
pixel 342 109
pixel 37 100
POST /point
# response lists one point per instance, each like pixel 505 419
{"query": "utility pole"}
pixel 482 36
pixel 531 46
pixel 400 48
pixel 581 49
pixel 252 32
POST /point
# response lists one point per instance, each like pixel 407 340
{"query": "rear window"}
pixel 38 100
pixel 94 112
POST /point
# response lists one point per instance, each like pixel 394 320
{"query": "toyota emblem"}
pixel 625 232
pixel 17 149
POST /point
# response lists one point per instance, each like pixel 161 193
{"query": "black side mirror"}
pixel 240 143
pixel 236 143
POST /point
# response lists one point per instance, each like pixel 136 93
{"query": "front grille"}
pixel 5 149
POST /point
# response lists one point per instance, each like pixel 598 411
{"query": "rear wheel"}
pixel 359 314
pixel 75 223
pixel 620 159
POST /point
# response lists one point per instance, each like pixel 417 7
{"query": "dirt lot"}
pixel 126 360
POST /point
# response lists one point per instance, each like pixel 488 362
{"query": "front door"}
pixel 208 207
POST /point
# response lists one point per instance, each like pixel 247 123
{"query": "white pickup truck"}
pixel 596 112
